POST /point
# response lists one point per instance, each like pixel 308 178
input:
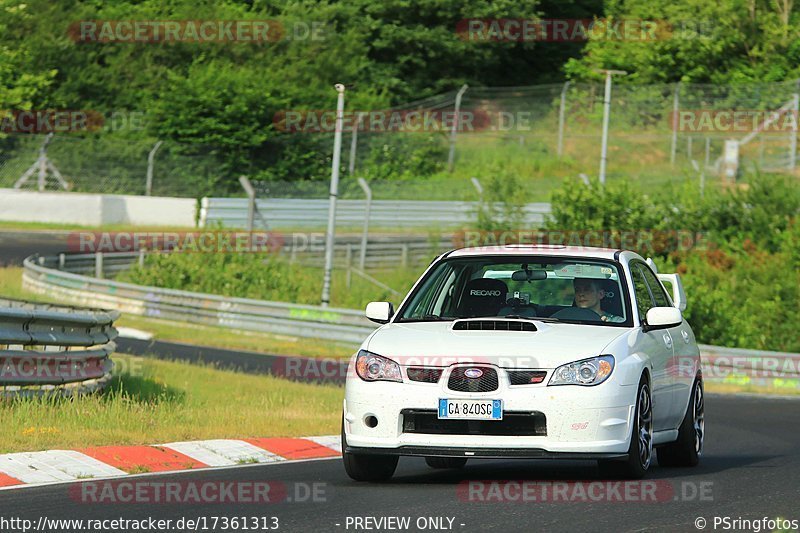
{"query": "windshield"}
pixel 557 289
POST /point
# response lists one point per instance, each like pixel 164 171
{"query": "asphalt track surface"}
pixel 750 470
pixel 16 245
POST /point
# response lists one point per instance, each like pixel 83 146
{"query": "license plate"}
pixel 471 409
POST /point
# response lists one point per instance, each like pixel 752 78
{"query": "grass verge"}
pixel 154 401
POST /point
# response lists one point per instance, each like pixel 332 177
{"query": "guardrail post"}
pixel 62 259
pixel 362 258
pixel 708 151
pixel 404 254
pixel 142 252
pixel 98 265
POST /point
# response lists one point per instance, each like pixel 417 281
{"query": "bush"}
pixel 744 300
pixel 744 286
pixel 615 206
pixel 502 207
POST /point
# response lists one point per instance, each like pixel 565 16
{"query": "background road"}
pixel 16 245
pixel 750 469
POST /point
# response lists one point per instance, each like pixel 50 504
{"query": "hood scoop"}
pixel 493 325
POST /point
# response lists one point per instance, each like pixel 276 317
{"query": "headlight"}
pixel 586 372
pixel 373 367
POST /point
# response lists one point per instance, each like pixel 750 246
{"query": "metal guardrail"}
pixel 313 213
pixel 743 367
pixel 48 348
pixel 42 276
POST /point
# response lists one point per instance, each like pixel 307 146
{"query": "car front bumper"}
pixel 580 422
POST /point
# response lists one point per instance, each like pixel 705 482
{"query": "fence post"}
pixel 675 107
pixel 349 263
pixel 689 147
pixel 251 201
pixel 708 151
pixel 148 188
pixel 334 192
pixel 606 117
pixel 98 265
pixel 793 134
pixel 362 257
pixel 561 110
pixel 451 157
pixel 478 186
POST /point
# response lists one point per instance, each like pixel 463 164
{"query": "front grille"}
pixel 460 382
pixel 521 424
pixel 494 325
pixel 425 375
pixel 526 377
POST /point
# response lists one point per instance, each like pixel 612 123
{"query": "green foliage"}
pixel 20 86
pixel 403 156
pixel 502 206
pixel 219 99
pixel 747 299
pixel 743 283
pixel 700 41
pixel 262 277
pixel 596 207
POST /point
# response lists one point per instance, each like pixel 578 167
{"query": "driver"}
pixel 588 294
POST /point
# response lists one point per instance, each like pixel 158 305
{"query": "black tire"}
pixel 367 467
pixel 640 451
pixel 446 462
pixel 686 451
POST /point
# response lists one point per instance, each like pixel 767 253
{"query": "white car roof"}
pixel 538 249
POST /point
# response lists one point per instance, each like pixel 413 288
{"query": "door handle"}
pixel 667 340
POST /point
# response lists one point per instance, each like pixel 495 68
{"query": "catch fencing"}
pixel 659 135
pixel 49 348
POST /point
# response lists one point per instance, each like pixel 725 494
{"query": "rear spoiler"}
pixel 674 281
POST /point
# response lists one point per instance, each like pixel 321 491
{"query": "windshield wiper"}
pixel 539 318
pixel 425 318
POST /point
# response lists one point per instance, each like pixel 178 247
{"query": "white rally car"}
pixel 528 351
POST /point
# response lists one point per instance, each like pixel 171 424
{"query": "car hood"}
pixel 436 344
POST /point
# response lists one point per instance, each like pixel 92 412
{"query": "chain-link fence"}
pixel 539 135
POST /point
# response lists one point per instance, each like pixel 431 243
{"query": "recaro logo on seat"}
pixel 476 292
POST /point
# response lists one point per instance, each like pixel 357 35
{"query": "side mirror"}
pixel 663 317
pixel 380 312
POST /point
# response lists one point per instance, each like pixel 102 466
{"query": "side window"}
pixel 643 299
pixel 656 289
pixel 423 302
